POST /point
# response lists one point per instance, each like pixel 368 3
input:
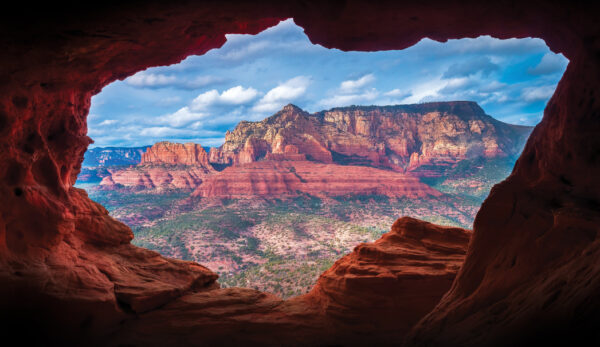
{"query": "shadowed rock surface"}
pixel 372 295
pixel 68 271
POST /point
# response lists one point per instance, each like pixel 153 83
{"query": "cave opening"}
pixel 246 186
pixel 69 270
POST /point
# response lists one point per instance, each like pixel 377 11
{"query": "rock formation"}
pixel 370 296
pixel 393 281
pixel 164 165
pixel 422 139
pixel 276 179
pixel 168 153
pixel 388 142
pixel 68 271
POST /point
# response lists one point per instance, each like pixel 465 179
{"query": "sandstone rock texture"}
pixel 370 296
pixel 421 139
pixel 175 154
pixel 394 281
pixel 389 143
pixel 165 165
pixel 279 179
pixel 68 272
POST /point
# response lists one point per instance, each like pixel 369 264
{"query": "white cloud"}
pixel 481 45
pixel 549 64
pixel 147 79
pixel 233 96
pixel 238 95
pixel 108 122
pixel 351 86
pixel 181 117
pixel 282 94
pixel 424 90
pixel 533 94
pixel 457 85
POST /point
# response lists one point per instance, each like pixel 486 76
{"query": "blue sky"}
pixel 253 76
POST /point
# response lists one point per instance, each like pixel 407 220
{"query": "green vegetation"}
pixel 279 245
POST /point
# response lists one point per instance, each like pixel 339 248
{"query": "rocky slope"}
pixel 190 154
pixel 424 139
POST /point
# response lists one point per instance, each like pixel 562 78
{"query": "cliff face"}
pixel 353 150
pixel 164 165
pixel 290 178
pixel 423 139
pixel 165 152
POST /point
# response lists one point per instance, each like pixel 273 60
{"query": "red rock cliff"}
pixel 423 138
pixel 275 179
pixel 164 165
pixel 175 154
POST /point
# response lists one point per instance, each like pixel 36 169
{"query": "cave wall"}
pixel 531 263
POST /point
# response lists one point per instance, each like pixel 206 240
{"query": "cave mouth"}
pixel 248 240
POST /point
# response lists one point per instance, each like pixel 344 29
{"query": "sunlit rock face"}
pixel 164 165
pixel 281 179
pixel 421 139
pixel 175 154
pixel 345 151
pixel 68 271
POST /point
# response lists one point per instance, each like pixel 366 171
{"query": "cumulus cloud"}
pixel 350 86
pixel 212 92
pixel 549 64
pixel 233 96
pixel 283 94
pixel 181 117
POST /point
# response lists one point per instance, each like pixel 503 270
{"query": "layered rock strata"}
pixel 423 139
pixel 280 179
pixel 165 165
